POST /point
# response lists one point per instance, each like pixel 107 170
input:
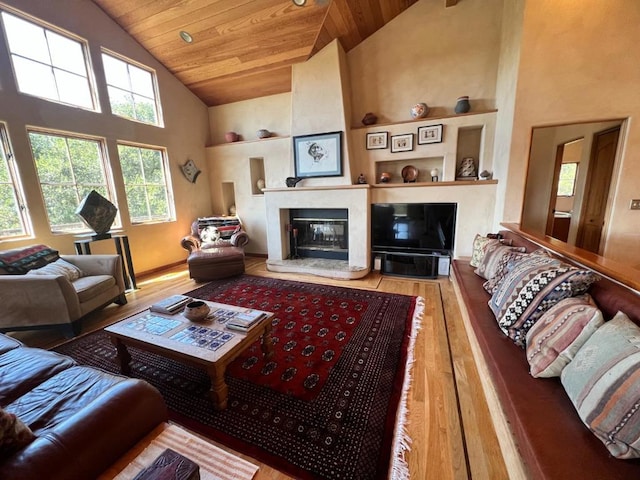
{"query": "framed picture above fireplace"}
pixel 318 155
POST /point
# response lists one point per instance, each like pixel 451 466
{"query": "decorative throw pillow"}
pixel 553 341
pixel 20 260
pixel 59 267
pixel 530 289
pixel 603 382
pixel 14 434
pixel 493 253
pixel 209 234
pixel 509 260
pixel 479 244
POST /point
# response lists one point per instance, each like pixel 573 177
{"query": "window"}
pixel 68 169
pixel 13 217
pixel 146 181
pixel 48 64
pixel 131 90
pixel 567 179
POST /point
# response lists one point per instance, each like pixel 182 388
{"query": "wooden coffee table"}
pixel 206 344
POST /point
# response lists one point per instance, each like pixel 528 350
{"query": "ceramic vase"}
pixel 263 133
pixel 462 106
pixel 260 184
pixel 369 119
pixel 231 137
pixel 385 177
pixel 196 311
pixel 419 110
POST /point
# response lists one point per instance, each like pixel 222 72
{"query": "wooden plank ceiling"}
pixel 244 49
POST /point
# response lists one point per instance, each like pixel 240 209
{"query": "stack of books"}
pixel 243 321
pixel 170 305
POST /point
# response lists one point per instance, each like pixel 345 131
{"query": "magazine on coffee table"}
pixel 170 305
pixel 243 321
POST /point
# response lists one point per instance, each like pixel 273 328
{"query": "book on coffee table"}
pixel 170 305
pixel 243 321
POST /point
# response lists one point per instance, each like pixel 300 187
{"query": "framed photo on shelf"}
pixel 430 134
pixel 402 143
pixel 318 155
pixel 377 140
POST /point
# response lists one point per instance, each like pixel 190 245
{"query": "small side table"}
pixel 121 242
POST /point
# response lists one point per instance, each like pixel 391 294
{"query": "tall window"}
pixel 567 179
pixel 146 181
pixel 48 64
pixel 68 168
pixel 131 90
pixel 13 218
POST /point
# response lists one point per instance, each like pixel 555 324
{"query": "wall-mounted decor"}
pixel 318 155
pixel 430 134
pixel 190 171
pixel 377 140
pixel 402 143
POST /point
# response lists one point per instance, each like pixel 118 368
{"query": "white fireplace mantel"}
pixel 355 198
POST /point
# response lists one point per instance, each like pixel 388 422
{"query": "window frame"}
pixel 105 167
pixel 154 83
pixel 84 45
pixel 166 167
pixel 18 191
pixel 575 178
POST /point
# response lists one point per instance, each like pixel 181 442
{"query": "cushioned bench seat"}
pixel 551 440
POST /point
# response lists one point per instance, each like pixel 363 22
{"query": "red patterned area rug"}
pixel 331 403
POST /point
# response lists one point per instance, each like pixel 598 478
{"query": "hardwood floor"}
pixel 449 422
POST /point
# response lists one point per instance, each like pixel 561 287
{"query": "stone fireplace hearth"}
pixel 354 199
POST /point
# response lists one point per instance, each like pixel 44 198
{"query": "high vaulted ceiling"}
pixel 244 49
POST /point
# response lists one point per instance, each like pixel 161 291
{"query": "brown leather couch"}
pixel 551 440
pixel 83 418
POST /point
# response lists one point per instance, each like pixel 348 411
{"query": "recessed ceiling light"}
pixel 299 3
pixel 186 37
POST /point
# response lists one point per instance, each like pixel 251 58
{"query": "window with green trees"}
pixel 131 90
pixel 13 212
pixel 68 168
pixel 146 181
pixel 567 179
pixel 49 64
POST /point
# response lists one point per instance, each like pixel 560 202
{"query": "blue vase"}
pixel 462 106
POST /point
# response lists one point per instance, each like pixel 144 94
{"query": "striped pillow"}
pixel 603 382
pixel 553 341
pixel 490 262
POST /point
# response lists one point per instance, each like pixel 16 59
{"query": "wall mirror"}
pixel 570 182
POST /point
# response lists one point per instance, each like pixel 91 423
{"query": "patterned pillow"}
pixel 59 267
pixel 603 382
pixel 530 289
pixel 20 260
pixel 479 244
pixel 493 253
pixel 553 341
pixel 209 234
pixel 14 434
pixel 509 260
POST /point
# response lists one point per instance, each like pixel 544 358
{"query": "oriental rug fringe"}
pixel 331 403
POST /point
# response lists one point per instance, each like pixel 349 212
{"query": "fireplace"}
pixel 319 233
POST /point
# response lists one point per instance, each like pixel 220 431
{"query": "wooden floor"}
pixel 449 422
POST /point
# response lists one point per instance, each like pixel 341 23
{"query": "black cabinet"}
pixel 413 264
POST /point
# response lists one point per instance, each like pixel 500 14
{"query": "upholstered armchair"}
pixel 41 289
pixel 215 246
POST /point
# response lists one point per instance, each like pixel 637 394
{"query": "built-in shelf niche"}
pixel 394 167
pixel 229 198
pixel 256 168
pixel 469 145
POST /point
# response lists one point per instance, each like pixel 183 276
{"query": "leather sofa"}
pixel 44 301
pixel 83 418
pixel 540 432
pixel 216 248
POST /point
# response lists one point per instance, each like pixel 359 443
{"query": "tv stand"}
pixel 414 264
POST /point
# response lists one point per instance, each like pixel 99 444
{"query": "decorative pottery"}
pixel 232 210
pixel 467 169
pixel 485 175
pixel 260 184
pixel 292 181
pixel 410 174
pixel 369 119
pixel 196 311
pixel 362 179
pixel 385 177
pixel 231 137
pixel 434 174
pixel 419 110
pixel 462 106
pixel 263 133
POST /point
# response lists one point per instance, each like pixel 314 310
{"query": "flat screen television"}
pixel 413 227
